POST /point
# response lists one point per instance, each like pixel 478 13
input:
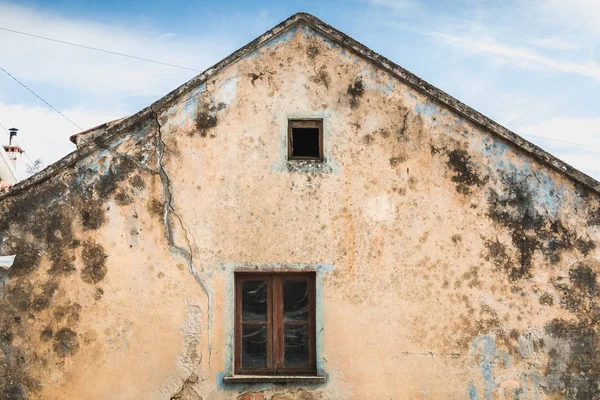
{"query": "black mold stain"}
pixel 39 222
pixel 99 293
pixel 15 381
pixel 464 176
pixel 62 266
pixel 526 246
pixel 27 258
pixel 594 217
pixel 254 77
pixel 46 334
pixel 394 161
pixel 355 91
pixel 156 207
pixel 71 312
pixel 205 121
pixel 573 368
pixel 585 246
pixel 514 209
pixel 6 336
pixel 94 261
pixel 583 278
pixel 498 254
pixel 546 300
pixel 19 295
pixel 137 182
pixel 42 301
pixel 118 172
pixel 312 51
pixel 122 198
pixel 92 215
pixel 65 342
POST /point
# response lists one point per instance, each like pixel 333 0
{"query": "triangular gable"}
pixel 347 42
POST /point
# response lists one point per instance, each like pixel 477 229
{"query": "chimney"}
pixel 13 150
pixel 13 133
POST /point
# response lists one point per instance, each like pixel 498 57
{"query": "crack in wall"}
pixel 169 211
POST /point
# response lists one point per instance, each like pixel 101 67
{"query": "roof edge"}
pixel 452 103
pixel 344 40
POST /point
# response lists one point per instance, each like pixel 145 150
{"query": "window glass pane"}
pixel 295 300
pixel 254 301
pixel 254 346
pixel 296 345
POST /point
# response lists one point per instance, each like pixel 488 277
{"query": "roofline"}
pixel 344 40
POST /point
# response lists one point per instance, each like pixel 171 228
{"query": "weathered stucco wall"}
pixel 449 263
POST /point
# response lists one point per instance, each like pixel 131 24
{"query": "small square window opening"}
pixel 305 140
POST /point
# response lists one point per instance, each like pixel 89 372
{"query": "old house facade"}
pixel 304 220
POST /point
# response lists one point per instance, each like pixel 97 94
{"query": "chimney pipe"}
pixel 12 133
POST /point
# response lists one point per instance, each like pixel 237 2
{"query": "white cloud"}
pixel 87 86
pixel 556 43
pixel 580 15
pixel 396 4
pixel 520 56
pixel 585 131
pixel 573 140
pixel 36 60
pixel 588 163
pixel 45 134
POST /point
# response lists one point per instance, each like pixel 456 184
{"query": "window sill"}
pixel 275 379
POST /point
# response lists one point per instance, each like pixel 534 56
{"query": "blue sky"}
pixel 531 65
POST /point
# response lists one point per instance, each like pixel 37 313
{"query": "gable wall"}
pixel 448 263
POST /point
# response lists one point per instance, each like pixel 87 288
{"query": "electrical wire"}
pixel 4 128
pixel 99 49
pixel 562 141
pixel 36 95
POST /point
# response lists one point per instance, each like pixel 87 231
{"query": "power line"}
pixel 563 141
pixel 4 128
pixel 98 49
pixel 36 95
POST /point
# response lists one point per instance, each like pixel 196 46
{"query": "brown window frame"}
pixel 275 323
pixel 304 123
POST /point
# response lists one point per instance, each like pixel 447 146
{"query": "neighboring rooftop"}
pixel 79 139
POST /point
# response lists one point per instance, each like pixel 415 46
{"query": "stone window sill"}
pixel 275 379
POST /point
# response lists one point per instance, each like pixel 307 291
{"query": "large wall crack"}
pixel 185 251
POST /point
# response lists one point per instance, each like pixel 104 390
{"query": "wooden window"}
pixel 275 324
pixel 305 140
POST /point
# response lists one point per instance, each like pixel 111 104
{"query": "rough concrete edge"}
pixel 344 40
